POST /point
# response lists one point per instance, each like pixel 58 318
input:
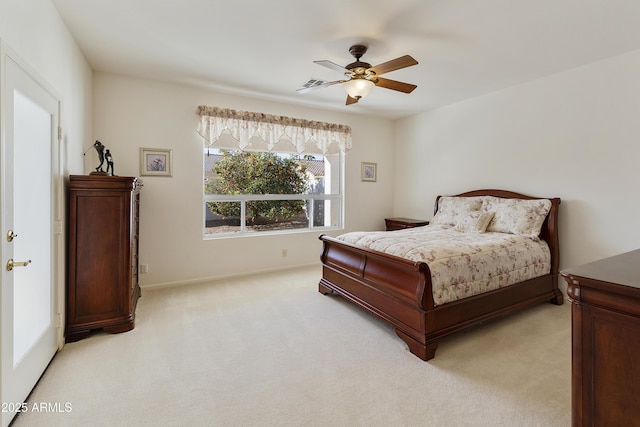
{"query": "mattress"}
pixel 462 264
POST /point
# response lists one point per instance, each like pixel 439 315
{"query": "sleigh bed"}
pixel 384 274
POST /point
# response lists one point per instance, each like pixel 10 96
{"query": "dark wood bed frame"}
pixel 399 291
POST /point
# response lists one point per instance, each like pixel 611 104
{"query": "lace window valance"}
pixel 232 129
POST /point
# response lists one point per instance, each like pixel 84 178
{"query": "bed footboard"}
pixel 394 289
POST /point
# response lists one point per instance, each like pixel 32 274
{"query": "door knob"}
pixel 11 263
pixel 11 235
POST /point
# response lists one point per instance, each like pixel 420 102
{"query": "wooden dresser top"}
pixel 623 269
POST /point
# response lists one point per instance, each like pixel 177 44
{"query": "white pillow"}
pixel 517 216
pixel 452 209
pixel 475 222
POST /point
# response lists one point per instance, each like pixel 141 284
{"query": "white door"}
pixel 29 220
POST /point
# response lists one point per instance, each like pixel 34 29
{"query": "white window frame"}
pixel 244 198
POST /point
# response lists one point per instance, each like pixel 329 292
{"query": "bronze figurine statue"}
pixel 103 154
pixel 107 156
pixel 100 149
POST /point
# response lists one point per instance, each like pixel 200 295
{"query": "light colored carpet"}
pixel 269 350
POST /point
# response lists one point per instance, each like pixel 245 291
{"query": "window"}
pixel 266 184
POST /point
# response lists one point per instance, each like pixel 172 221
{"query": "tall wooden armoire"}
pixel 102 289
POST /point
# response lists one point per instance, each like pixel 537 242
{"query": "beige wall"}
pixel 34 31
pixel 573 135
pixel 130 113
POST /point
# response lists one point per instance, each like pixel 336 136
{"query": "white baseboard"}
pixel 224 277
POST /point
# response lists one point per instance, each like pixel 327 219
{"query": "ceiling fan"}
pixel 361 76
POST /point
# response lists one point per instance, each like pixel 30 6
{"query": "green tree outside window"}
pixel 259 173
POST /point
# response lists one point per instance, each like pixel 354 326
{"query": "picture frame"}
pixel 369 172
pixel 156 162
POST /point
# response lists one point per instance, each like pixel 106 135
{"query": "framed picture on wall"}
pixel 155 162
pixel 369 171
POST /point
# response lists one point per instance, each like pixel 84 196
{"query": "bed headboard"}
pixel 549 231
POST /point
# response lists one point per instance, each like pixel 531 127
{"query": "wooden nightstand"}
pixel 402 223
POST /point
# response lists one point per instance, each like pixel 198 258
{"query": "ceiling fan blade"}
pixel 314 84
pixel 394 85
pixel 333 66
pixel 351 100
pixel 394 64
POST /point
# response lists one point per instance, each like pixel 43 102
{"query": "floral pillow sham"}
pixel 515 216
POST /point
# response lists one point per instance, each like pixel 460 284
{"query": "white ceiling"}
pixel 266 49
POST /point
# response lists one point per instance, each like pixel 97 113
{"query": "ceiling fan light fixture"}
pixel 358 88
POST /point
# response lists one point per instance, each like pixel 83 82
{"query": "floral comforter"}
pixel 462 264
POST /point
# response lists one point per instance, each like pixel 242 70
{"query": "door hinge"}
pixel 59 133
pixel 60 323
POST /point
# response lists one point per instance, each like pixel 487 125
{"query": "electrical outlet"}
pixel 284 253
pixel 144 268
